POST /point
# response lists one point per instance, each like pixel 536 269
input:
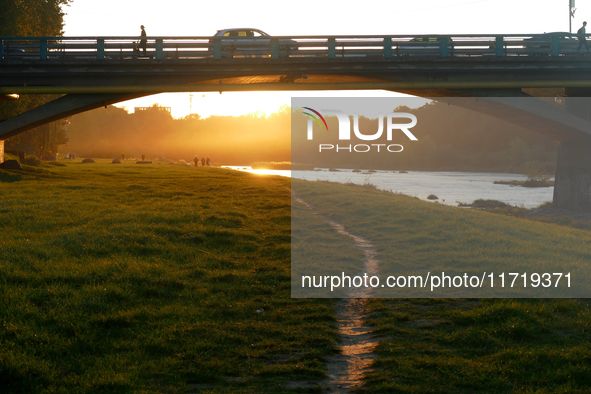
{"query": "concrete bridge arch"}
pixel 93 84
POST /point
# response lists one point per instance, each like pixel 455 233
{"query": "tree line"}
pixel 21 18
pixel 449 139
pixel 232 140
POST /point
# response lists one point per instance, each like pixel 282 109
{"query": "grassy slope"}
pixel 147 278
pixel 486 346
pixel 130 278
pixel 412 236
pixel 466 345
pixel 317 249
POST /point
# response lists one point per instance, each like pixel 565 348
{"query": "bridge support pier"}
pixel 572 188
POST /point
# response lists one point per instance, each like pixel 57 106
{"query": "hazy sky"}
pixel 196 18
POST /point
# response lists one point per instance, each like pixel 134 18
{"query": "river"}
pixel 451 188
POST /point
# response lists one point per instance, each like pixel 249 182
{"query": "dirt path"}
pixel 346 370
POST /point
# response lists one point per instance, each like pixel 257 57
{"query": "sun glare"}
pixel 208 104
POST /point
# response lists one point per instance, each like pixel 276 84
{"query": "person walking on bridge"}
pixel 582 38
pixel 143 41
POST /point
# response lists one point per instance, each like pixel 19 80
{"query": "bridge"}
pixel 95 71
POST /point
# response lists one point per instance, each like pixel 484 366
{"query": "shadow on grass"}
pixel 10 176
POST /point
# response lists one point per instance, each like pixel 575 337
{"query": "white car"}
pixel 247 41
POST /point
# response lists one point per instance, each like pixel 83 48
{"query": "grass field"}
pixel 413 237
pixel 452 345
pixel 168 278
pixel 148 278
pixel 481 346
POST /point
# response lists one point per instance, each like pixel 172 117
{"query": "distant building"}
pixel 153 108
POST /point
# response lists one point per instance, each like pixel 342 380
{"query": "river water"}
pixel 451 188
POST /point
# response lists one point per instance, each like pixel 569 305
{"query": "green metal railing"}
pixel 390 47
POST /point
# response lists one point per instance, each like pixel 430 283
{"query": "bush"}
pixel 547 204
pixel 31 161
pixel 536 183
pixel 536 174
pixel 480 203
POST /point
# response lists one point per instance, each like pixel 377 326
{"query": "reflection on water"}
pixel 260 172
pixel 450 187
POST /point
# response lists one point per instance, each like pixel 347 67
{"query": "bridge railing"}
pixel 194 48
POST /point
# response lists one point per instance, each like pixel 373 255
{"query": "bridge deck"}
pixel 119 65
pixel 193 48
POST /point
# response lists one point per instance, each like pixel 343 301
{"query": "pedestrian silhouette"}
pixel 203 161
pixel 143 41
pixel 582 38
pixel 196 161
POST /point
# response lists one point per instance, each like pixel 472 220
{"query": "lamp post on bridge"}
pixel 571 14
